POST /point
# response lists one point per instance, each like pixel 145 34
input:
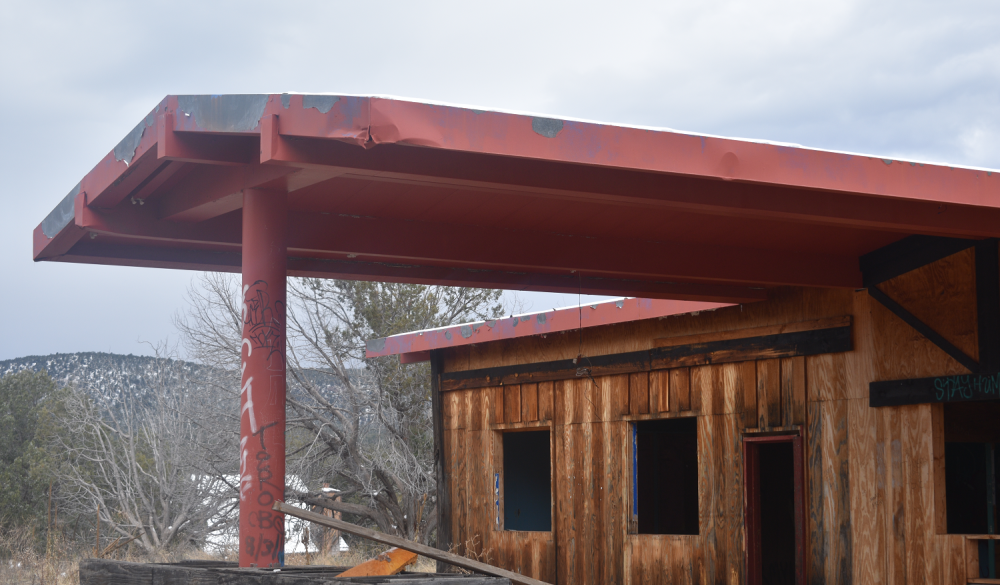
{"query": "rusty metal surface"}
pixel 415 347
pixel 391 189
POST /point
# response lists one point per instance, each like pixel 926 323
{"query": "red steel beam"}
pixel 493 247
pixel 590 184
pixel 586 143
pixel 201 147
pixel 522 280
pixel 262 395
pixel 208 192
pixel 220 259
pixel 397 241
pixel 176 258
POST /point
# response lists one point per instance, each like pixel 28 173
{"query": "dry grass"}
pixel 21 563
pixel 469 552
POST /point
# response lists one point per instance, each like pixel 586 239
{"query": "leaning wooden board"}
pixel 427 551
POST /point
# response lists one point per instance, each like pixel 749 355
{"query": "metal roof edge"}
pixel 138 136
pixel 415 346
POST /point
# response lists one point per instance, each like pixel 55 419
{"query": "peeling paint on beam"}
pixel 375 345
pixel 61 216
pixel 323 103
pixel 125 150
pixel 224 113
pixel 547 127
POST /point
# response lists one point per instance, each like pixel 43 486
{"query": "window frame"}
pixel 497 477
pixel 633 476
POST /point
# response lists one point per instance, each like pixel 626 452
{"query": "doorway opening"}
pixel 774 508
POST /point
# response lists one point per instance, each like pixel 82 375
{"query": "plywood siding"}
pixel 866 456
pixel 940 295
pixel 873 500
pixel 786 305
pixel 529 553
pixel 471 448
pixel 830 552
pixel 715 555
pixel 590 502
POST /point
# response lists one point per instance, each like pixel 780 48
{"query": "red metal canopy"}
pixel 395 190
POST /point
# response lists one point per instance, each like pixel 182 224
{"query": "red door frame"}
pixel 751 504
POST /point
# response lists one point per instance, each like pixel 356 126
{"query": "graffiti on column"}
pixel 264 544
pixel 260 322
pixel 263 335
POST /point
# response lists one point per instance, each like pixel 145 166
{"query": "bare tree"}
pixel 128 457
pixel 364 426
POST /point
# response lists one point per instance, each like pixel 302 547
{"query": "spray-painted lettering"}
pixel 966 387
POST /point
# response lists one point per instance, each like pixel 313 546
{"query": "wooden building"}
pixel 833 436
pixel 861 318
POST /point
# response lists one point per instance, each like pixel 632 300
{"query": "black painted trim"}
pixel 444 537
pixel 959 388
pixel 988 304
pixel 832 340
pixel 814 342
pixel 906 255
pixel 603 365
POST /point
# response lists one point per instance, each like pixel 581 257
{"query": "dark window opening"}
pixel 665 499
pixel 971 459
pixel 527 481
pixel 965 487
pixel 777 512
pixel 971 434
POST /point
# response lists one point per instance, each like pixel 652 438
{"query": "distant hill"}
pixel 91 367
pixel 109 374
pixel 101 373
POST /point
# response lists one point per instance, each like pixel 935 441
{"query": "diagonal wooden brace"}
pixel 421 549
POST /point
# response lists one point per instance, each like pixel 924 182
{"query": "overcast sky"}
pixel 914 80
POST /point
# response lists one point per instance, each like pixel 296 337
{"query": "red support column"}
pixel 262 397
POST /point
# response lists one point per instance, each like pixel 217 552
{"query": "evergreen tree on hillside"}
pixel 25 468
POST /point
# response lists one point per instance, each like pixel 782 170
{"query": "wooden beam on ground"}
pixel 427 551
pixel 390 562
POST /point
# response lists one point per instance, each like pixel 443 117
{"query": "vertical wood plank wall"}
pixel 870 495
